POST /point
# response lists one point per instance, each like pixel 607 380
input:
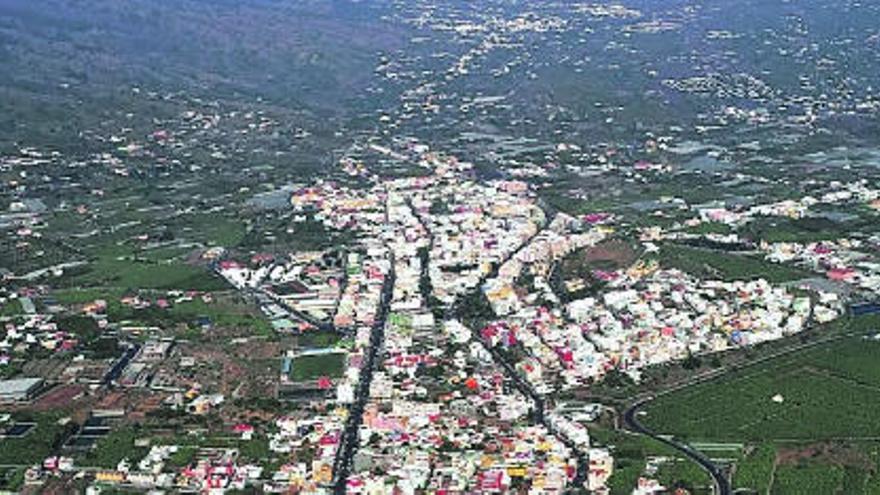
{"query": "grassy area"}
pixel 223 312
pixel 11 308
pixel 183 457
pixel 312 367
pixel 113 448
pixel 82 296
pixel 807 478
pixel 37 444
pixel 579 267
pixel 810 229
pixel 710 228
pixel 124 273
pixel 755 471
pixel 255 450
pixel 828 392
pixel 281 235
pixel 704 263
pixel 318 340
pixel 824 467
pixel 684 474
pixel 11 479
pixel 210 229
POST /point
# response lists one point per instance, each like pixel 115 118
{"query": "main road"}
pixel 350 438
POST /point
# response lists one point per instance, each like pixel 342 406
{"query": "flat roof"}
pixel 18 385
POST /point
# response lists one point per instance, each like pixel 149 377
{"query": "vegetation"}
pixel 183 457
pixel 755 471
pixel 113 448
pixel 807 478
pixel 809 229
pixel 684 474
pixel 145 274
pixel 705 263
pixel 827 392
pixel 710 228
pixel 312 367
pixel 37 444
pixel 318 340
pixel 474 309
pixel 12 479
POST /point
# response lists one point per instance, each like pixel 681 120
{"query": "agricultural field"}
pixel 809 229
pixel 755 469
pixel 120 444
pixel 824 393
pixel 11 479
pixel 807 478
pixel 809 417
pixel 816 468
pixel 144 274
pixel 113 448
pixel 225 310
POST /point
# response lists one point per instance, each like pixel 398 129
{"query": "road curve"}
pixel 722 486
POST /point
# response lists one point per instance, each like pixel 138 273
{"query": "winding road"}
pixel 630 420
pixel 722 485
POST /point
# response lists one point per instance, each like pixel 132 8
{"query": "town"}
pixel 417 247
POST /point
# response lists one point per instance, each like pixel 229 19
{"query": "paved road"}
pixel 524 386
pixel 350 436
pixel 630 419
pixel 526 389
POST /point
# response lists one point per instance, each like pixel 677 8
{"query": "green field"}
pixel 37 444
pixel 11 479
pixel 809 229
pixel 710 228
pixel 11 308
pixel 224 311
pixel 806 479
pixel 115 447
pixel 829 392
pixel 755 470
pixel 145 274
pixel 830 396
pixel 312 367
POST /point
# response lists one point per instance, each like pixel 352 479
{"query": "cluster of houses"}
pixel 850 263
pixel 647 319
pixel 364 278
pixel 32 334
pixel 311 444
pixel 445 410
pixel 478 227
pixel 441 414
pixel 210 471
pixel 440 403
pixel 837 194
pixel 536 259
